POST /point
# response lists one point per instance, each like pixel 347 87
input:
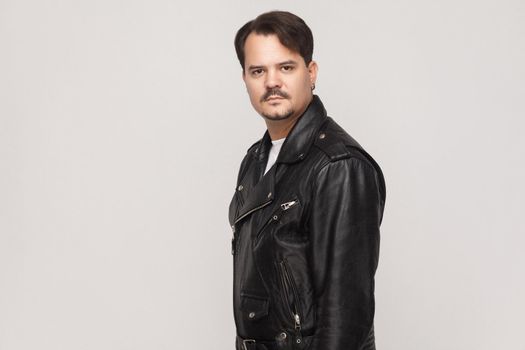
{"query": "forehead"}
pixel 262 49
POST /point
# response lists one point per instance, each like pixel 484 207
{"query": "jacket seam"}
pixel 350 158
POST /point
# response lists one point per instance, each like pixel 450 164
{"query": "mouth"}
pixel 274 98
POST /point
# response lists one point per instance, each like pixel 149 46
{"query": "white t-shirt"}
pixel 274 152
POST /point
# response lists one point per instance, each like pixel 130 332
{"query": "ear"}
pixel 312 71
pixel 243 74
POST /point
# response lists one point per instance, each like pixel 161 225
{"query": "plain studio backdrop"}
pixel 123 123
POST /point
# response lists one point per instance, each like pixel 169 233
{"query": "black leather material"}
pixel 306 239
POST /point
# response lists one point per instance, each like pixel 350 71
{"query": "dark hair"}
pixel 291 30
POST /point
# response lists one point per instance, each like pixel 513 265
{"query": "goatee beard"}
pixel 278 116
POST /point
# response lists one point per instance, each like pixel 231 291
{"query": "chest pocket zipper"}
pixel 275 216
pixel 287 205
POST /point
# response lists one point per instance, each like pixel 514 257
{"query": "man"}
pixel 307 208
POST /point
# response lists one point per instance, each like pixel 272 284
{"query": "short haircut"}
pixel 291 30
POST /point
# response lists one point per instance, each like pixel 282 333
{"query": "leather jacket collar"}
pixel 300 138
pixel 294 149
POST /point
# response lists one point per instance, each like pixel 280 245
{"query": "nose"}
pixel 273 79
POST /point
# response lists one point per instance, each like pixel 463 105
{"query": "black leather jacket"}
pixel 306 240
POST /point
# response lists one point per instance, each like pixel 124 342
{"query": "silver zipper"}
pixel 233 239
pixel 297 321
pixel 287 205
pixel 295 312
pixel 251 211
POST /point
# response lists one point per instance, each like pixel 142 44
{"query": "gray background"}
pixel 122 125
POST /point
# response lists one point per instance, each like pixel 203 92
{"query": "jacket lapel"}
pixel 258 196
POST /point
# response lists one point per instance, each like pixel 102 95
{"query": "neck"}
pixel 278 129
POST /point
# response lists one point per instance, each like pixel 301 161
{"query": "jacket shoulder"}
pixel 250 152
pixel 253 147
pixel 337 144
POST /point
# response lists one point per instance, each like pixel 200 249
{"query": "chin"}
pixel 277 115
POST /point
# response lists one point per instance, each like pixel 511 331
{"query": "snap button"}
pixel 275 217
pixel 240 188
pixel 322 135
pixel 251 314
pixel 281 336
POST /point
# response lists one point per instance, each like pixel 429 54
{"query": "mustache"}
pixel 274 92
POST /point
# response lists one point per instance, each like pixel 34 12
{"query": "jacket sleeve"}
pixel 346 212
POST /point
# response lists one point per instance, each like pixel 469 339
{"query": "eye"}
pixel 256 72
pixel 287 68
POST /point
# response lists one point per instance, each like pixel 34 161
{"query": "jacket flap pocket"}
pixel 254 307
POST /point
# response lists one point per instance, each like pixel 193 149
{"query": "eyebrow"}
pixel 279 64
pixel 287 62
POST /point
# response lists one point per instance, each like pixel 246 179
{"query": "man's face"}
pixel 277 79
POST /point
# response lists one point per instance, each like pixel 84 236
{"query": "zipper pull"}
pixel 233 240
pixel 298 337
pixel 297 321
pixel 287 205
